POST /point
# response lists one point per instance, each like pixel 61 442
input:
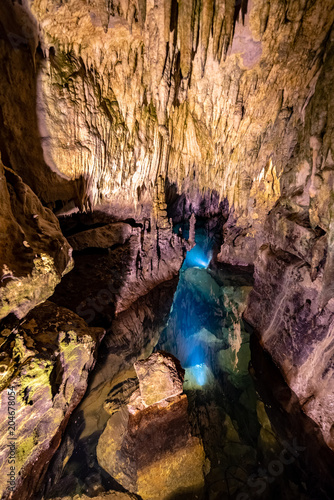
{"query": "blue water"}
pixel 192 311
pixel 197 257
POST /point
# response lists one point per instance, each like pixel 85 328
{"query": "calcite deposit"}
pixel 137 114
pixel 198 93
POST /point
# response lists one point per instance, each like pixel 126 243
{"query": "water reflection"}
pixel 197 257
pixel 206 332
pixel 198 377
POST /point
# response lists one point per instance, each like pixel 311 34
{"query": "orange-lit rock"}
pixel 148 447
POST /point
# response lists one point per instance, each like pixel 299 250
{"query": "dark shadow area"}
pixel 181 206
pixel 315 463
pixel 21 59
pixel 91 288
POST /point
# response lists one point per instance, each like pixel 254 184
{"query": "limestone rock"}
pixel 105 283
pixel 111 495
pixel 102 237
pixel 201 104
pixel 120 395
pixel 160 377
pixel 150 449
pixel 137 105
pixel 133 335
pixel 34 254
pixel 49 356
pixel 296 330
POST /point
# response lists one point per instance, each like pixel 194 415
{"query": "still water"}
pixel 256 448
pixel 258 442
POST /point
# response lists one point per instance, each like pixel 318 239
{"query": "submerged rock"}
pixel 148 446
pixel 48 356
pixel 132 336
pixel 160 377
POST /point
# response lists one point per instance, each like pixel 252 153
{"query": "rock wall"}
pixel 34 254
pixel 292 301
pixel 45 361
pixel 207 95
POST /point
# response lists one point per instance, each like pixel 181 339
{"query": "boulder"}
pixel 160 377
pixel 101 237
pixel 34 254
pixel 45 364
pixel 149 448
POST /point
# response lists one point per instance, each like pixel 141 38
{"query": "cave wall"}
pixel 205 94
pixel 224 96
pixel 291 305
pixel 106 104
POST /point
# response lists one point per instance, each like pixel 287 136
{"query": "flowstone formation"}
pixel 45 361
pixel 201 94
pixel 147 446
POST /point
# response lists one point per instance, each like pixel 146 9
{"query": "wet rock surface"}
pixel 298 432
pixel 206 106
pixel 148 447
pixel 48 356
pixel 132 336
pixel 160 377
pixel 285 307
pixel 289 242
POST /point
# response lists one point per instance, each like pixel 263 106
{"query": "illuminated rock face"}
pixel 148 447
pixel 34 254
pixel 160 377
pixel 291 305
pixel 46 363
pixel 210 96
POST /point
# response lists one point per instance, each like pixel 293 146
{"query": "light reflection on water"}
pixel 198 377
pixel 197 257
pixel 186 319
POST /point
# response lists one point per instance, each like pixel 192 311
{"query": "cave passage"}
pixel 251 455
pixel 257 442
